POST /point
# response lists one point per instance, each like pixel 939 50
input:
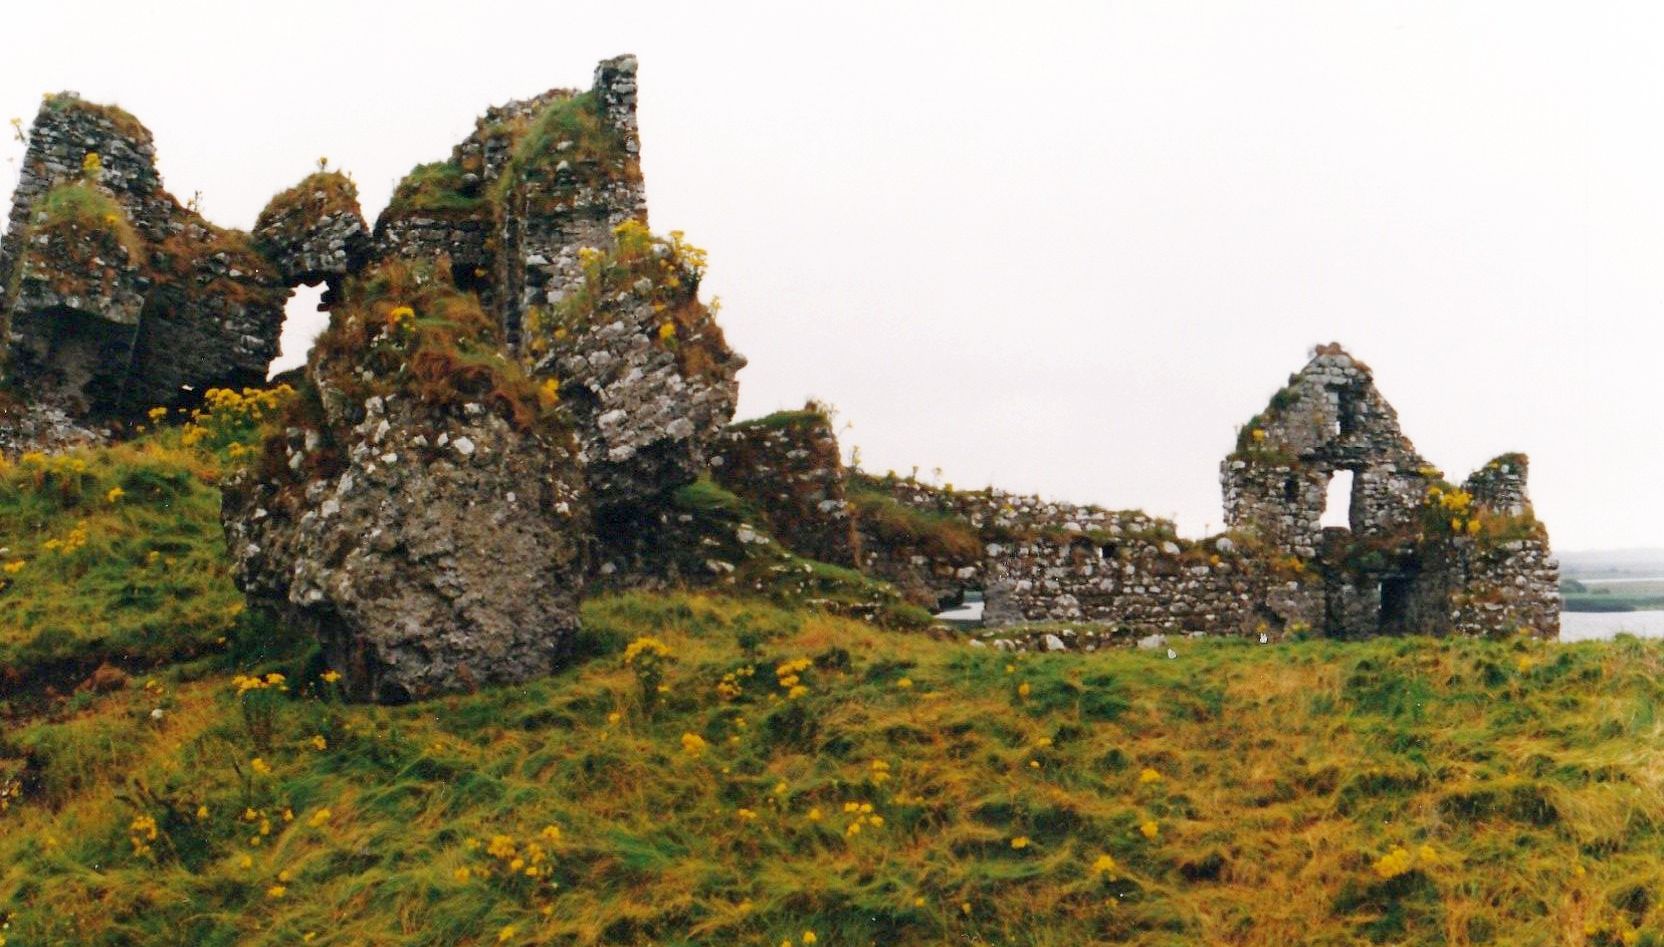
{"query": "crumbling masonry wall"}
pixel 1420 555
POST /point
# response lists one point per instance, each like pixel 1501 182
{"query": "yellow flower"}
pixel 246 862
pixel 1394 863
pixel 551 832
pixel 1149 776
pixel 15 566
pixel 1150 829
pixel 614 717
pixel 905 683
pixel 506 934
pixel 276 891
pixel 201 813
pixel 92 163
pixel 1020 842
pixel 809 937
pixel 260 766
pixel 667 331
pixel 746 815
pixel 796 692
pixel 461 874
pixel 693 744
pixel 320 818
pixel 115 495
pixel 1023 690
pixel 331 676
pixel 319 743
pixel 814 814
pixel 1105 866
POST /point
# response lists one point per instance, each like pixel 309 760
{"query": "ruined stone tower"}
pixel 1419 554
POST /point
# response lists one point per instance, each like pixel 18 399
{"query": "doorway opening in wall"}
pixel 966 614
pixel 1395 604
pixel 302 321
pixel 1337 502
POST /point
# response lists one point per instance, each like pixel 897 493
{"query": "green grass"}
pixel 82 206
pixel 938 535
pixel 136 577
pixel 436 187
pixel 1516 775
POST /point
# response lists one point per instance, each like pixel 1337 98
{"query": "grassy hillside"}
pixel 788 773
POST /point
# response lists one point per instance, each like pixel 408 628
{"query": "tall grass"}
pixel 1393 791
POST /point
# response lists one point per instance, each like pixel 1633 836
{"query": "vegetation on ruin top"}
pixel 319 194
pixel 437 187
pixel 405 327
pixel 78 209
pixel 120 118
pixel 569 145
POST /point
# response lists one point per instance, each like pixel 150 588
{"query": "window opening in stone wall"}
pixel 302 321
pixel 1337 503
pixel 1291 490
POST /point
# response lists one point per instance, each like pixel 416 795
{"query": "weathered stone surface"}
pixel 426 523
pixel 789 467
pixel 642 366
pixel 115 297
pixel 541 212
pixel 314 231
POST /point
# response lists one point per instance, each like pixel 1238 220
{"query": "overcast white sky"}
pixel 1058 247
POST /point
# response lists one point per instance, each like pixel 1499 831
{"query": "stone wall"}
pixel 117 298
pixel 788 466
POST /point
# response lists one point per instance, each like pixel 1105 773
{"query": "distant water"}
pixel 1595 626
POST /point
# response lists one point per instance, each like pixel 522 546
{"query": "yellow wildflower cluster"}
pixel 273 681
pixel 731 686
pixel 512 859
pixel 693 744
pixel 1402 861
pixel 644 648
pixel 1148 775
pixel 880 772
pixel 400 318
pixel 789 675
pixel 69 542
pixel 667 331
pixel 1150 829
pixel 1020 842
pixel 548 393
pixel 1105 867
pixel 864 816
pixel 91 163
pixel 114 495
pixel 142 831
pixel 1454 506
pixel 230 418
